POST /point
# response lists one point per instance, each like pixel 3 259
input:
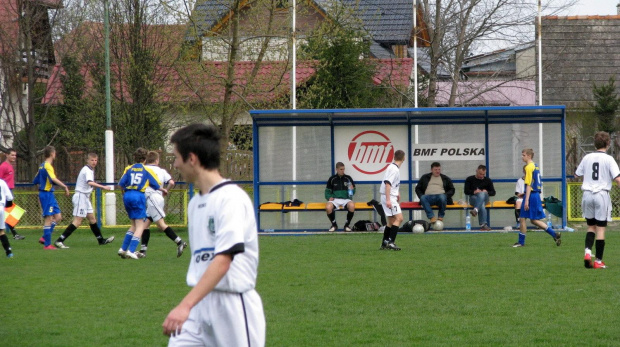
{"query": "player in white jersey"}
pixel 598 170
pixel 390 197
pixel 82 207
pixel 222 308
pixel 6 200
pixel 155 203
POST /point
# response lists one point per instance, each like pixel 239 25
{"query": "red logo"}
pixel 370 152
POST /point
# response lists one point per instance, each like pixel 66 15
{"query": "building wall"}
pixel 577 52
pixel 526 63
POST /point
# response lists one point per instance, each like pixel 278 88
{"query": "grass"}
pixel 326 290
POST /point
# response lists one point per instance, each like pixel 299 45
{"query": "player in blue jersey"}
pixel 46 178
pixel 135 180
pixel 532 203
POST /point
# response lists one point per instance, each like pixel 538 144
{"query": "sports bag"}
pixel 366 225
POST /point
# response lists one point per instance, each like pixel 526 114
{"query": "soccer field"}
pixel 326 290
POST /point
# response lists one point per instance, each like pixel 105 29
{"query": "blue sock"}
pixel 550 232
pixel 47 235
pixel 127 240
pixel 135 241
pixel 522 238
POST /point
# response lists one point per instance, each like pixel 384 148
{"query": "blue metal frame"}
pixel 409 117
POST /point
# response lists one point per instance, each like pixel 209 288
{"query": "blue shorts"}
pixel 135 204
pixel 536 211
pixel 49 205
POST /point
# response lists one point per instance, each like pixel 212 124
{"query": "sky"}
pixel 594 7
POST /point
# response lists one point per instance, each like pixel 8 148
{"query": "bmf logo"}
pixel 370 152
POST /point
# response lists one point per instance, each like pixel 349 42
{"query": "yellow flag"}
pixel 13 214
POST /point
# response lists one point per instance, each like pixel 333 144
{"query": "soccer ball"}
pixel 418 229
pixel 438 225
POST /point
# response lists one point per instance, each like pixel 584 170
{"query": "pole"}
pixel 540 100
pixel 110 204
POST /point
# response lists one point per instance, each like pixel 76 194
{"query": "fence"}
pixel 573 206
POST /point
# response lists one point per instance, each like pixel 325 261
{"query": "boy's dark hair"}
pixel 435 164
pixel 399 155
pixel 339 164
pixel 9 150
pixel 48 150
pixel 151 157
pixel 202 140
pixel 601 140
pixel 139 155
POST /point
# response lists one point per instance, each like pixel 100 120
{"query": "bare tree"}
pixel 458 28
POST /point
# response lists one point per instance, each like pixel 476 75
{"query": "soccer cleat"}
pixel 518 245
pixel 10 255
pixel 383 245
pixel 132 255
pixel 393 247
pixel 61 245
pixel 122 254
pixel 474 212
pixel 333 228
pixel 50 247
pixel 18 237
pixel 558 238
pixel 143 252
pixel 599 265
pixel 587 261
pixel 485 227
pixel 42 240
pixel 140 255
pixel 347 229
pixel 106 241
pixel 180 248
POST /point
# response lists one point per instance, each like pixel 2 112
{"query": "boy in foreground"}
pixel 222 308
pixel 598 169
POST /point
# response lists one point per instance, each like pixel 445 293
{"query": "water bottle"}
pixel 549 224
pixel 467 221
pixel 350 191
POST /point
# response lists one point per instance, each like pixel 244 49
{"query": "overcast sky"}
pixel 595 7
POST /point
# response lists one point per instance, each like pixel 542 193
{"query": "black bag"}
pixel 512 200
pixel 377 206
pixel 366 225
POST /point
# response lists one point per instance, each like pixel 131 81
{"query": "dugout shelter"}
pixel 295 152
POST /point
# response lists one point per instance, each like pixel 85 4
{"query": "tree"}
pixel 606 105
pixel 342 79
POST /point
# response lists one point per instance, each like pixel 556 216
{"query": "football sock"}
pixel 178 240
pixel 386 233
pixel 146 236
pixel 349 217
pixel 517 214
pixel 12 230
pixel 600 249
pixel 47 235
pixel 135 241
pixel 332 217
pixel 53 225
pixel 550 232
pixel 96 231
pixel 393 232
pixel 522 238
pixel 5 244
pixel 127 240
pixel 590 239
pixel 70 229
pixel 171 234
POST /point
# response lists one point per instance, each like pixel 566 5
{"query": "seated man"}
pixel 479 187
pixel 337 195
pixel 434 188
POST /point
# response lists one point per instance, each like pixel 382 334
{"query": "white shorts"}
pixel 596 205
pixel 340 203
pixel 155 207
pixel 224 319
pixel 81 204
pixel 395 206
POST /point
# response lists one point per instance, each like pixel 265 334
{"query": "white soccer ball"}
pixel 418 229
pixel 438 225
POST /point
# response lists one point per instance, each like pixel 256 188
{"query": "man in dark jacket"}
pixel 434 188
pixel 338 196
pixel 479 187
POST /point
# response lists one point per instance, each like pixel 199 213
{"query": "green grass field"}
pixel 326 290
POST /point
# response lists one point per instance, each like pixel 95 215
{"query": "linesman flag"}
pixel 13 214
